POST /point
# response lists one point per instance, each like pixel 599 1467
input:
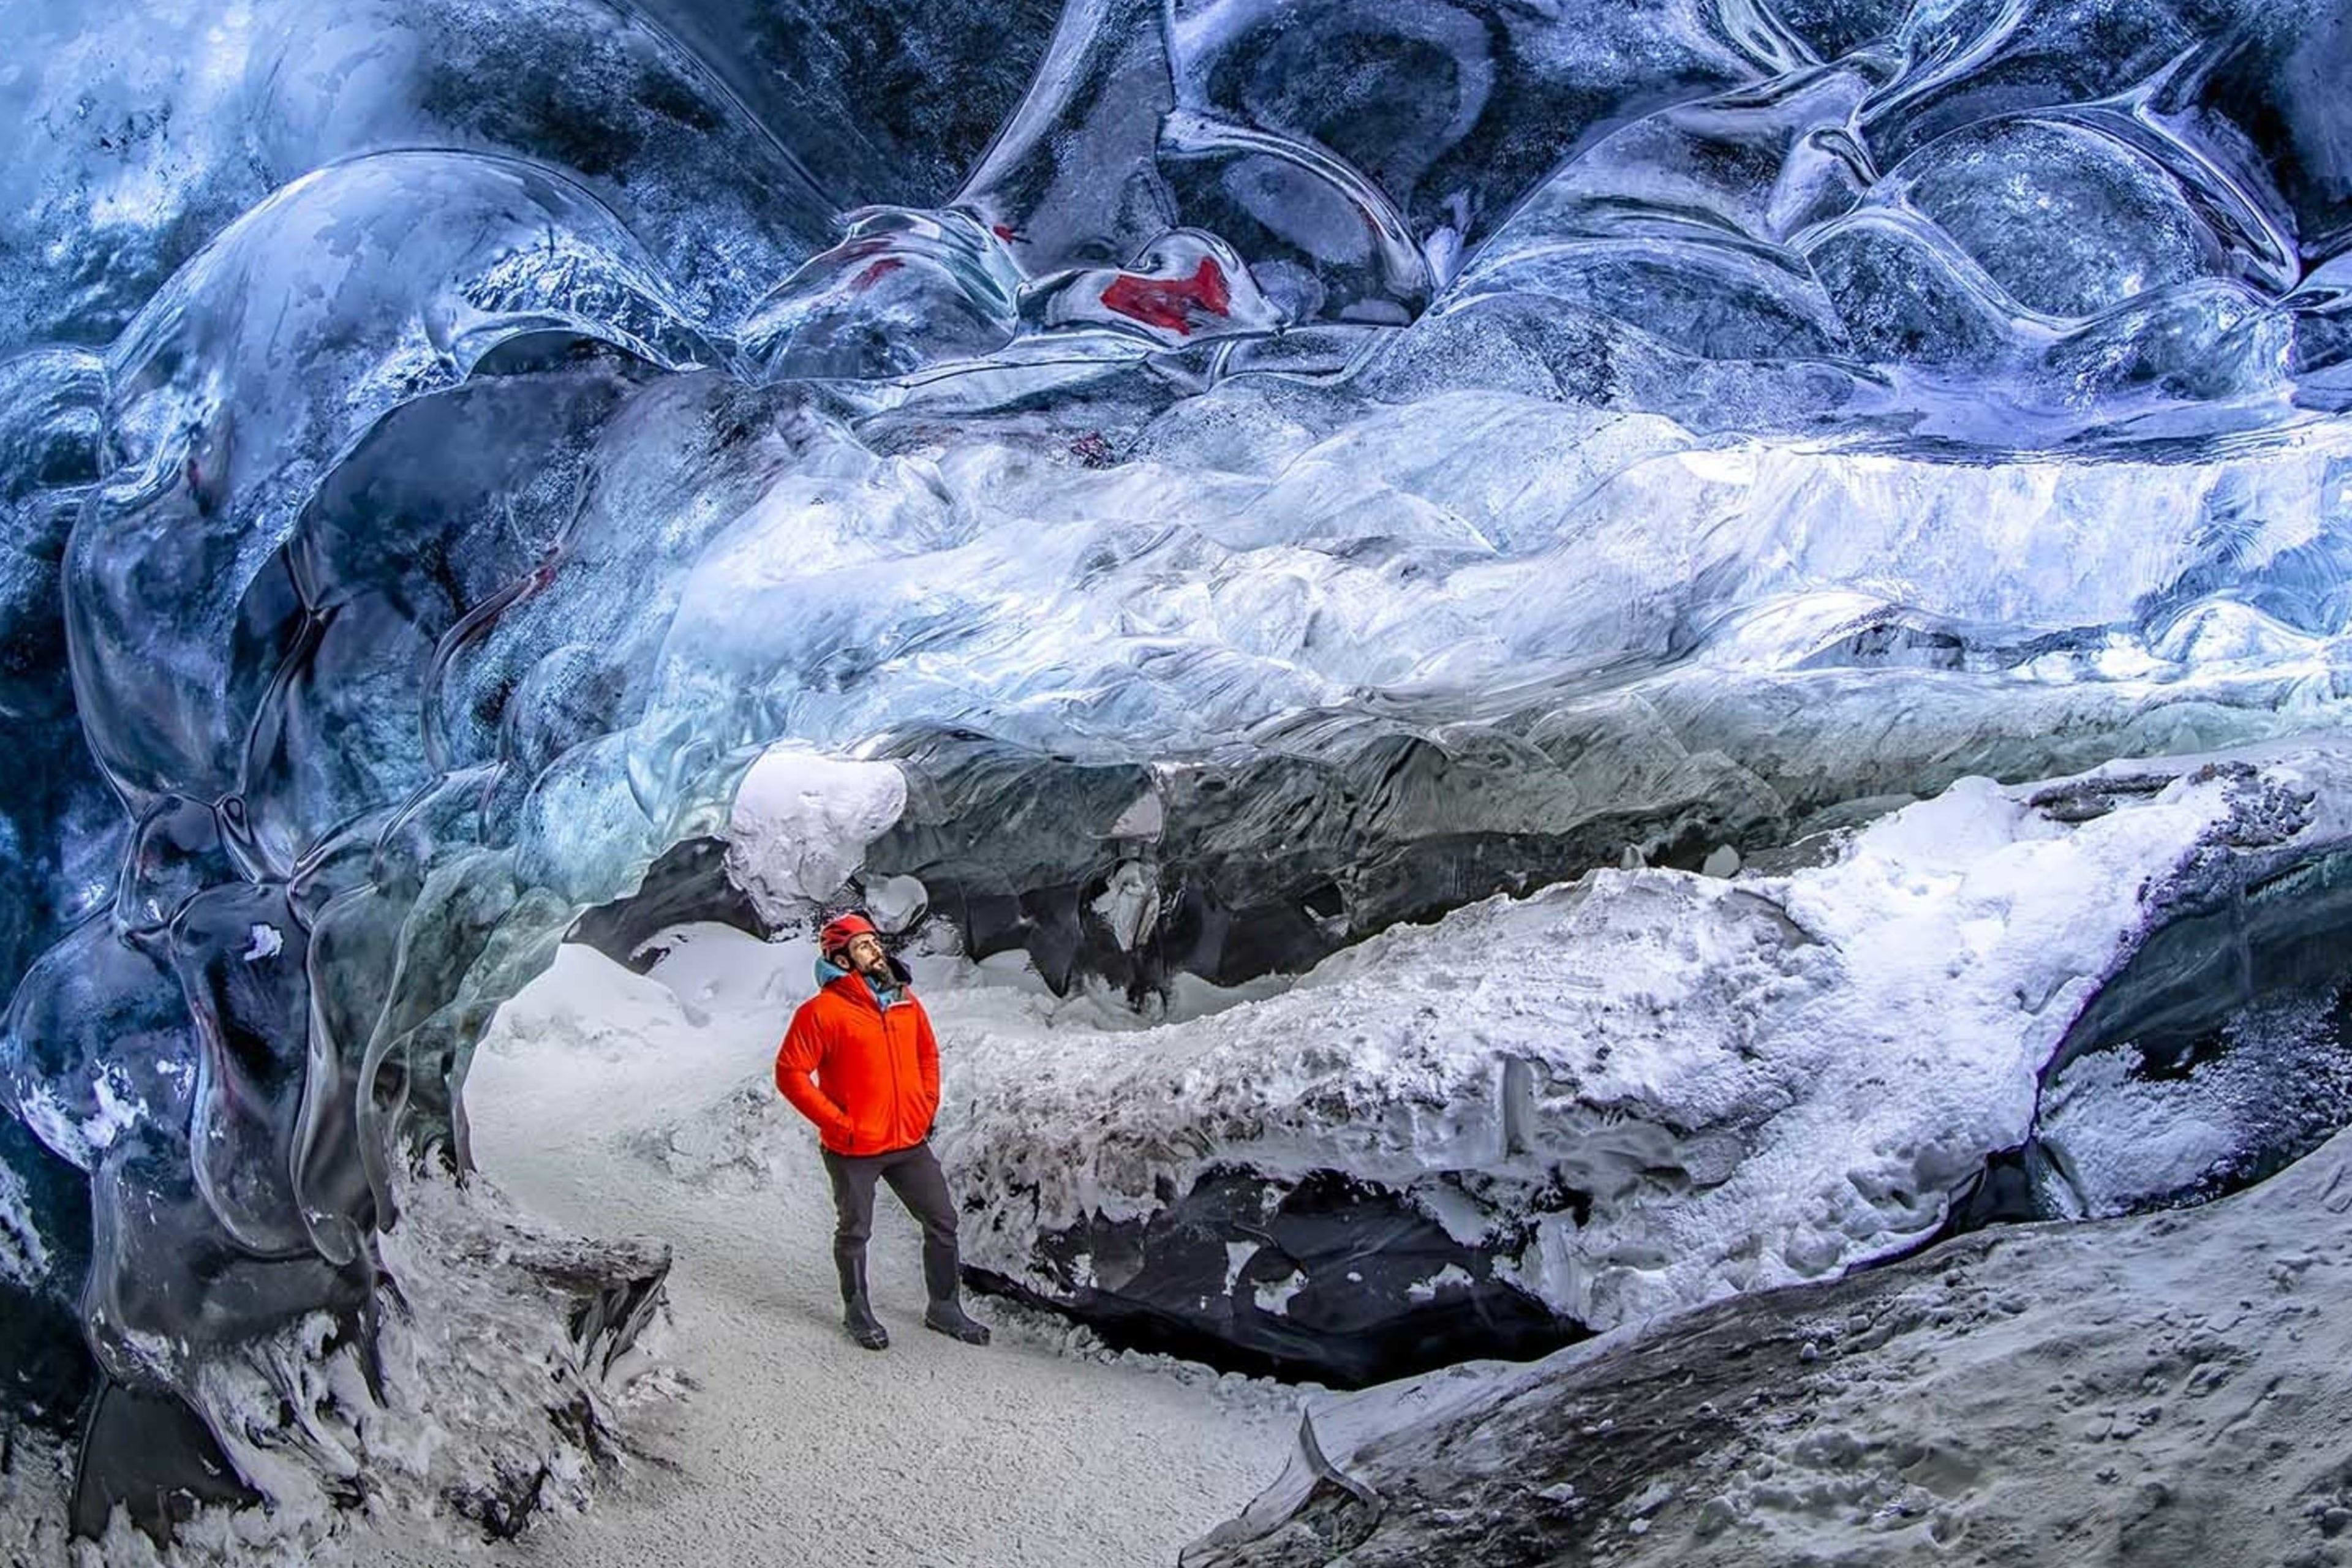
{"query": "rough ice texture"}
pixel 799 825
pixel 1745 1082
pixel 502 1375
pixel 24 1257
pixel 1437 450
pixel 2122 1137
pixel 149 132
pixel 2163 1389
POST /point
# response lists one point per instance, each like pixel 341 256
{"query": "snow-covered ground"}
pixel 792 1446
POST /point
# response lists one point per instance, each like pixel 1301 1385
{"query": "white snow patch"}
pixel 1452 1277
pixel 79 1135
pixel 1237 1256
pixel 265 940
pixel 897 902
pixel 118 1108
pixel 1146 816
pixel 1130 903
pixel 24 1257
pixel 53 1125
pixel 1276 1297
pixel 800 824
pixel 2164 1138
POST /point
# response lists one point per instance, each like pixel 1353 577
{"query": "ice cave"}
pixel 1610 736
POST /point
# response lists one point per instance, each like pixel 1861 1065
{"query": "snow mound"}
pixel 1645 1089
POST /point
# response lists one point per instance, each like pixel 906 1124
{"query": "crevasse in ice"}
pixel 1413 450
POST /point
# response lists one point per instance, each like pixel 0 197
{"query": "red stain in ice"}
pixel 1004 231
pixel 539 579
pixel 876 273
pixel 1169 302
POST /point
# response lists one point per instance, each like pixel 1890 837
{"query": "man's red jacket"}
pixel 868 1075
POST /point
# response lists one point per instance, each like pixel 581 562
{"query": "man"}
pixel 861 1062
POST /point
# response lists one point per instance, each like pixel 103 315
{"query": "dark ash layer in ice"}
pixel 1323 1278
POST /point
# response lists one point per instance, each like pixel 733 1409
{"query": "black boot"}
pixel 856 1312
pixel 946 1315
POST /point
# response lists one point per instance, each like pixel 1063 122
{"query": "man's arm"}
pixel 927 1056
pixel 796 1059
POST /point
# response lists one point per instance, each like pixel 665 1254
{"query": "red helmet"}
pixel 839 929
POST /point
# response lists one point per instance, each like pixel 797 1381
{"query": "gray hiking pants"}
pixel 915 1175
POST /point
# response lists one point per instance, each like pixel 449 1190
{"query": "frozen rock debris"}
pixel 1186 494
pixel 2154 1390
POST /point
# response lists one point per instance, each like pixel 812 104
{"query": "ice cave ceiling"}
pixel 1265 471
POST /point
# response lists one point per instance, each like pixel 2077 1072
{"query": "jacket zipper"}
pixel 891 1051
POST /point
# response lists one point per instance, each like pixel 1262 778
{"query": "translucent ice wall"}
pixel 1297 467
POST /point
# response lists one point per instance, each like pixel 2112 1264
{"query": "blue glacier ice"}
pixel 1425 450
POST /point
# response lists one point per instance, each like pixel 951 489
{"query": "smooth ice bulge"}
pixel 1297 471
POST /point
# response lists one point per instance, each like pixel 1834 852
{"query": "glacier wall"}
pixel 1260 473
